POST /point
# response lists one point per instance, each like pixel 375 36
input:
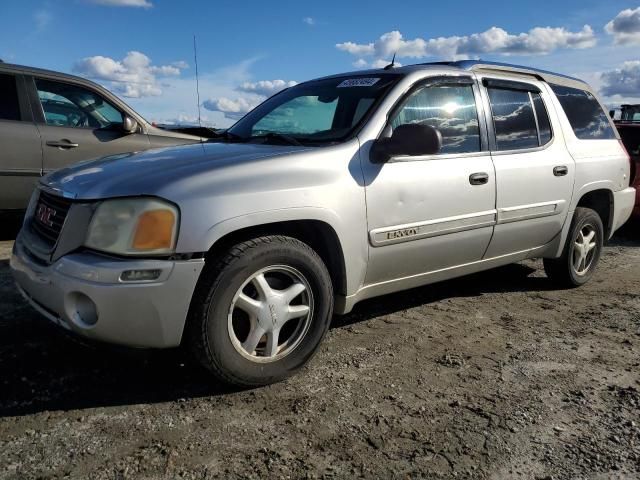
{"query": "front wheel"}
pixel 260 311
pixel 581 252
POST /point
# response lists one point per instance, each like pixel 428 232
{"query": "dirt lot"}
pixel 492 376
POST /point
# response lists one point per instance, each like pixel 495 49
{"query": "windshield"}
pixel 322 111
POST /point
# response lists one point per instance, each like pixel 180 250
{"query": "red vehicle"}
pixel 629 128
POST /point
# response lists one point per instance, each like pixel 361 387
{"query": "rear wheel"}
pixel 581 251
pixel 260 311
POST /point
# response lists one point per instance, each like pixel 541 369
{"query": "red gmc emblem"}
pixel 44 214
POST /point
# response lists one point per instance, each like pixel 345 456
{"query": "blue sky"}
pixel 247 50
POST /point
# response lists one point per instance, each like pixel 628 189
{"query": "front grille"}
pixel 49 216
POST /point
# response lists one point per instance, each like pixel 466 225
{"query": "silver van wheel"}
pixel 270 313
pixel 584 249
pixel 581 251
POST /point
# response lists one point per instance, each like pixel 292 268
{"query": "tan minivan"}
pixel 49 120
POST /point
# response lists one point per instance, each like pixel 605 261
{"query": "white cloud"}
pixel 134 76
pixel 377 63
pixel 232 108
pixel 265 88
pixel 178 103
pixel 357 49
pixel 622 82
pixel 537 41
pixel 187 119
pixel 257 92
pixel 360 63
pixel 123 3
pixel 309 21
pixel 625 27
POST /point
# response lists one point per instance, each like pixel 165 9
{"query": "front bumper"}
pixel 82 292
pixel 623 203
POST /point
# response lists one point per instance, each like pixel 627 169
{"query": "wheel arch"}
pixel 601 201
pixel 597 196
pixel 318 234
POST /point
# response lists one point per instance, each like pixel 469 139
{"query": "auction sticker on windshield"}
pixel 358 82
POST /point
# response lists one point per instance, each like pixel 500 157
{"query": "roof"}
pixel 40 71
pixel 476 65
pixel 485 65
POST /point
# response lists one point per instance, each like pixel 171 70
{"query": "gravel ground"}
pixel 494 376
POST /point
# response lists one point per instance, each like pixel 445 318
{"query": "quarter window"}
pixel 451 109
pixel 68 105
pixel 544 124
pixel 587 118
pixel 9 106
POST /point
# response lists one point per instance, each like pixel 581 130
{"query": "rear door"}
pixel 21 156
pixel 77 123
pixel 534 171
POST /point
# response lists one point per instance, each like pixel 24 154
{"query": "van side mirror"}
pixel 411 139
pixel 129 125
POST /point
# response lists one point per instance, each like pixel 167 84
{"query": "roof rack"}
pixel 482 64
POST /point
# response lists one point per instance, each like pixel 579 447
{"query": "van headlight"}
pixel 134 226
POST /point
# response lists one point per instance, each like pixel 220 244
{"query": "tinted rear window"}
pixel 9 107
pixel 588 120
pixel 513 119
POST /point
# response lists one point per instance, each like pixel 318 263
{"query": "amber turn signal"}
pixel 154 230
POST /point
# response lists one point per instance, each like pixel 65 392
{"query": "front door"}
pixel 432 212
pixel 534 171
pixel 78 124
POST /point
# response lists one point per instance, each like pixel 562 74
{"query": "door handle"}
pixel 560 171
pixel 64 143
pixel 479 178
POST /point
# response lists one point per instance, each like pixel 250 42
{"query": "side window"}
pixel 588 120
pixel 448 108
pixel 544 124
pixel 9 106
pixel 513 119
pixel 69 105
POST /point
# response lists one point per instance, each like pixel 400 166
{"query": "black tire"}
pixel 562 271
pixel 208 332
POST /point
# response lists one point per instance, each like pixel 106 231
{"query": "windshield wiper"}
pixel 278 136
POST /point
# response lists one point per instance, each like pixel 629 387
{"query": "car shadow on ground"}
pixel 628 235
pixel 42 368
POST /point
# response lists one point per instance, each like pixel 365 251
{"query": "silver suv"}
pixel 333 191
pixel 50 120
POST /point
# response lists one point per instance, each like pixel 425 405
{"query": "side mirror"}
pixel 411 139
pixel 612 113
pixel 129 125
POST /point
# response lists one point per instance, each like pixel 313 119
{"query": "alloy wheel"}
pixel 270 313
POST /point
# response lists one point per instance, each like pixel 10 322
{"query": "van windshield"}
pixel 322 111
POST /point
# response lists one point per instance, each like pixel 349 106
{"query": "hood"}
pixel 148 172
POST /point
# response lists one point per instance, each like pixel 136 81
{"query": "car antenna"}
pixel 392 64
pixel 195 59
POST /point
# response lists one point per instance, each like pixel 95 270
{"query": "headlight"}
pixel 134 226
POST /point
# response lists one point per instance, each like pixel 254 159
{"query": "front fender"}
pixel 355 250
